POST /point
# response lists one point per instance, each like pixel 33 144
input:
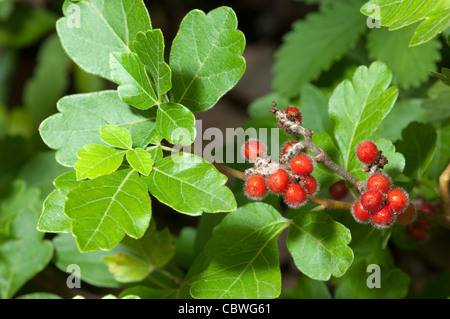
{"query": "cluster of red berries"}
pixel 381 204
pixel 294 181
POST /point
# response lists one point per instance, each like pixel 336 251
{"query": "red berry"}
pixel 338 190
pixel 302 165
pixel 359 213
pixel 398 199
pixel 253 149
pixel 256 187
pixel 380 182
pixel 367 152
pixel 408 215
pixel 384 217
pixel 295 196
pixel 372 200
pixel 428 208
pixel 279 181
pixel 288 145
pixel 295 111
pixel 310 185
pixel 417 232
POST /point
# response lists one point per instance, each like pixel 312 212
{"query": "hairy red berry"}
pixel 278 181
pixel 359 213
pixel 384 217
pixel 338 190
pixel 294 111
pixel 379 182
pixel 295 196
pixel 302 165
pixel 372 200
pixel 367 152
pixel 398 199
pixel 408 215
pixel 253 149
pixel 310 185
pixel 256 187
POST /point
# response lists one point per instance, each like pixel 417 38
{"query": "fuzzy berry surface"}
pixel 379 182
pixel 295 196
pixel 367 152
pixel 293 110
pixel 287 146
pixel 398 199
pixel 302 165
pixel 253 149
pixel 256 187
pixel 384 217
pixel 360 214
pixel 338 190
pixel 278 181
pixel 310 185
pixel 372 200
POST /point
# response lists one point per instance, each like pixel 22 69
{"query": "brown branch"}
pixel 444 181
pixel 438 219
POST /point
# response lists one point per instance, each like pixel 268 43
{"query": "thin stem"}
pixel 230 171
pixel 444 181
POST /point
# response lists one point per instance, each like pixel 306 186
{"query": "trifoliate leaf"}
pixel 135 87
pixel 319 245
pixel 91 30
pixel 149 46
pixel 328 34
pixel 104 209
pixel 190 185
pixel 358 107
pixel 397 14
pixel 78 125
pixel 241 259
pixel 140 160
pixel 116 136
pixel 206 58
pixel 97 160
pixel 175 123
pixel 410 66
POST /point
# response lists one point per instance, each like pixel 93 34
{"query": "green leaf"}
pixel 25 253
pixel 397 14
pixel 104 209
pixel 410 66
pixel 328 34
pixel 241 258
pixel 92 269
pixel 442 152
pixel 358 107
pixel 324 175
pixel 6 8
pixel 319 245
pixel 396 160
pixel 394 283
pixel 314 108
pixel 438 103
pixel 155 152
pixel 49 81
pixel 127 268
pixel 190 185
pixel 25 26
pixel 78 125
pixel 135 87
pixel 149 46
pixel 417 145
pixel 140 160
pixel 97 160
pixel 403 113
pixel 116 136
pixel 39 295
pixel 444 76
pixel 175 123
pixel 53 219
pixel 307 288
pixel 91 30
pixel 206 58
